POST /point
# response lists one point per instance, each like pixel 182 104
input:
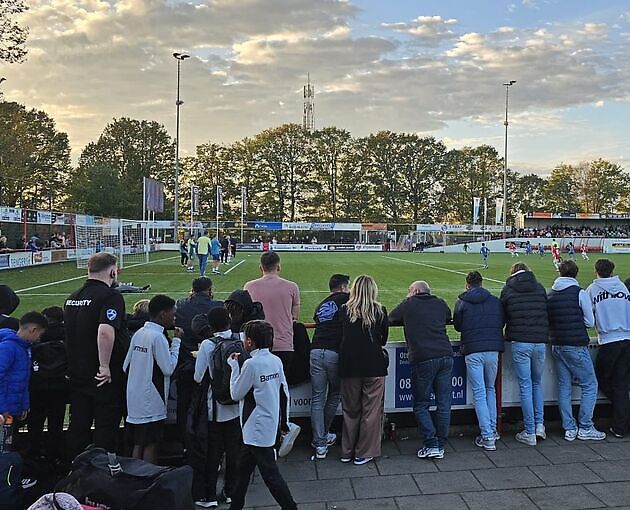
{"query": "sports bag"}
pixel 106 481
pixel 221 371
pixel 11 465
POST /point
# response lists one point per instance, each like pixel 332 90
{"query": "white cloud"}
pixel 429 30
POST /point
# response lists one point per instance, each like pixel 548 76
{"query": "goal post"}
pixel 127 239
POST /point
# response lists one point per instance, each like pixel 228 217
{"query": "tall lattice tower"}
pixel 308 118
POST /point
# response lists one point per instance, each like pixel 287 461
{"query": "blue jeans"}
pixel 529 360
pixel 433 376
pixel 481 368
pixel 203 263
pixel 575 364
pixel 326 392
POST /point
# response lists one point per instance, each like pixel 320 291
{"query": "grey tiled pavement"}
pixel 555 475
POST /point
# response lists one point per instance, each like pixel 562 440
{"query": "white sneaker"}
pixel 205 503
pixel 321 452
pixel 570 435
pixel 288 439
pixel 331 439
pixel 430 453
pixel 591 434
pixel 27 483
pixel 525 438
pixel 541 433
pixel 497 436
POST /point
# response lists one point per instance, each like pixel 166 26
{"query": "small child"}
pixel 262 390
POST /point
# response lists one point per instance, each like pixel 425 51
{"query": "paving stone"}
pixel 307 506
pixel 258 495
pixel 507 478
pixel 570 453
pixel 321 490
pixel 511 442
pixel 404 464
pixel 331 468
pixel 450 481
pixel 611 470
pixel 363 504
pixel 573 497
pixel 463 443
pixel 410 446
pixel 294 472
pixel 611 451
pixel 462 461
pixel 613 494
pixel 389 448
pixel 524 457
pixel 566 474
pixel 385 486
pixel 432 501
pixel 504 500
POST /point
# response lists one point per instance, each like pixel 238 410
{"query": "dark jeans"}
pixel 51 406
pixel 612 367
pixel 432 376
pixel 185 385
pixel 287 360
pixel 224 255
pixel 105 407
pixel 183 259
pixel 265 459
pixel 223 438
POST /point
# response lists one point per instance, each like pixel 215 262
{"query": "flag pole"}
pixel 243 200
pixel 217 212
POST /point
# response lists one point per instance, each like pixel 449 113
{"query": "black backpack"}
pixel 11 493
pixel 221 371
pixel 50 366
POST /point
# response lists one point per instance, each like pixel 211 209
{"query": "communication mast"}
pixel 308 119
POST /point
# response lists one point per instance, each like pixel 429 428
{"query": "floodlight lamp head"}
pixel 180 56
pixel 510 83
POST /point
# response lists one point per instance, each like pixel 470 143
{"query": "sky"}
pixel 431 67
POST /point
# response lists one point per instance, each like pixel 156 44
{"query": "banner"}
pixel 267 225
pixel 11 214
pixel 498 216
pixel 194 199
pixel 44 217
pixel 153 195
pixel 485 212
pixel 476 204
pixel 219 200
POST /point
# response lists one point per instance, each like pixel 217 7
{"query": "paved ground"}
pixel 554 475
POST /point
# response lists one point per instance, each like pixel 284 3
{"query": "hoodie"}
pixel 525 306
pixel 252 310
pixel 570 313
pixel 611 305
pixel 15 371
pixel 478 315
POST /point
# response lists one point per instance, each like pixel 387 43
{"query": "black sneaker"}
pixel 27 483
pixel 615 433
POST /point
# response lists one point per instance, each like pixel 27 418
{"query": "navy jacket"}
pixel 525 307
pixel 478 315
pixel 566 319
pixel 15 371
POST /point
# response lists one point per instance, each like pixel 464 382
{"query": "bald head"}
pixel 419 287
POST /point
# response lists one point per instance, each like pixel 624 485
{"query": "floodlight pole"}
pixel 507 86
pixel 179 57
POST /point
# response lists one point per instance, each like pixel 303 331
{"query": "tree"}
pixel 357 197
pixel 561 190
pixel 529 193
pixel 12 35
pixel 602 184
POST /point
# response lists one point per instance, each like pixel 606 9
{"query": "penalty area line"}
pixel 438 268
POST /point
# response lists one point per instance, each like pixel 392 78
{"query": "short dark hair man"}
pixel 611 305
pixel 424 318
pixel 479 317
pixel 324 360
pixel 97 342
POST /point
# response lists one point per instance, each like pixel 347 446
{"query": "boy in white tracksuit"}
pixel 611 305
pixel 262 390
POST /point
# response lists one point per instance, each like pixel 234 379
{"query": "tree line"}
pixel 290 174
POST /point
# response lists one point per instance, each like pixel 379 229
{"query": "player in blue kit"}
pixel 485 251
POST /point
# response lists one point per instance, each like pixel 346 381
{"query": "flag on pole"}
pixel 153 195
pixel 485 211
pixel 194 199
pixel 219 200
pixel 499 212
pixel 476 204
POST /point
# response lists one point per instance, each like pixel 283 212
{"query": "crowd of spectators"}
pixel 557 231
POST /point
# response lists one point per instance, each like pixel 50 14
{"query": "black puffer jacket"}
pixel 525 305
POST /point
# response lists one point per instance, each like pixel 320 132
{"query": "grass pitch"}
pixel 44 286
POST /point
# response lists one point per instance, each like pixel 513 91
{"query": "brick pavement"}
pixel 555 475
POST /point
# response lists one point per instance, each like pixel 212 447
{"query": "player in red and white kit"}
pixel 513 250
pixel 584 250
pixel 557 258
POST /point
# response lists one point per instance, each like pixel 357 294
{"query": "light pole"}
pixel 179 57
pixel 507 86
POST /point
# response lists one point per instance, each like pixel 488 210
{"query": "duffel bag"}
pixel 11 465
pixel 103 480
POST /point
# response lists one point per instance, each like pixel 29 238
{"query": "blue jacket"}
pixel 15 371
pixel 479 317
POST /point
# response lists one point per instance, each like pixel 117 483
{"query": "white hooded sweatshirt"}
pixel 611 305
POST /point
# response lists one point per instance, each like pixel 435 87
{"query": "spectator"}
pixel 233 244
pixel 9 301
pixel 203 250
pixel 362 370
pixel 97 342
pixel 479 317
pixel 215 250
pixel 570 313
pixel 139 316
pixel 149 363
pixel 242 309
pixel 225 245
pixel 527 327
pixel 262 377
pixel 424 318
pixel 183 252
pixel 200 301
pixel 611 306
pixel 191 244
pixel 324 363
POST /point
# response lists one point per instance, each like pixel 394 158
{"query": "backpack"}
pixel 50 366
pixel 11 466
pixel 221 371
pixel 300 370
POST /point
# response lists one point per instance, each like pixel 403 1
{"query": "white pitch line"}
pixel 234 267
pixel 438 268
pixel 84 276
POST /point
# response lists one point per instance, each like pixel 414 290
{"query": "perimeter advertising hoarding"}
pixel 20 259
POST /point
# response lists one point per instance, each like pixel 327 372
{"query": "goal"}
pixel 127 239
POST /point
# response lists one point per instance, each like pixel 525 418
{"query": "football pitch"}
pixel 44 286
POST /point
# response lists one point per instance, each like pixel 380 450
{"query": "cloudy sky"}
pixel 427 66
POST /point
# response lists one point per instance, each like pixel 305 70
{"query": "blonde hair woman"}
pixel 362 370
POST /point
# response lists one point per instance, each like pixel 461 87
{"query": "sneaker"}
pixel 27 483
pixel 570 435
pixel 206 503
pixel 288 439
pixel 486 444
pixel 525 438
pixel 614 433
pixel 359 461
pixel 146 287
pixel 431 453
pixel 321 452
pixel 497 436
pixel 345 460
pixel 223 497
pixel 331 439
pixel 541 433
pixel 591 434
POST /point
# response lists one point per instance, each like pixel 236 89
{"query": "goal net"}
pixel 127 239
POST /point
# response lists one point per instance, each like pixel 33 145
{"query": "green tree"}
pixel 602 185
pixel 12 34
pixel 561 190
pixel 528 194
pixel 357 191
